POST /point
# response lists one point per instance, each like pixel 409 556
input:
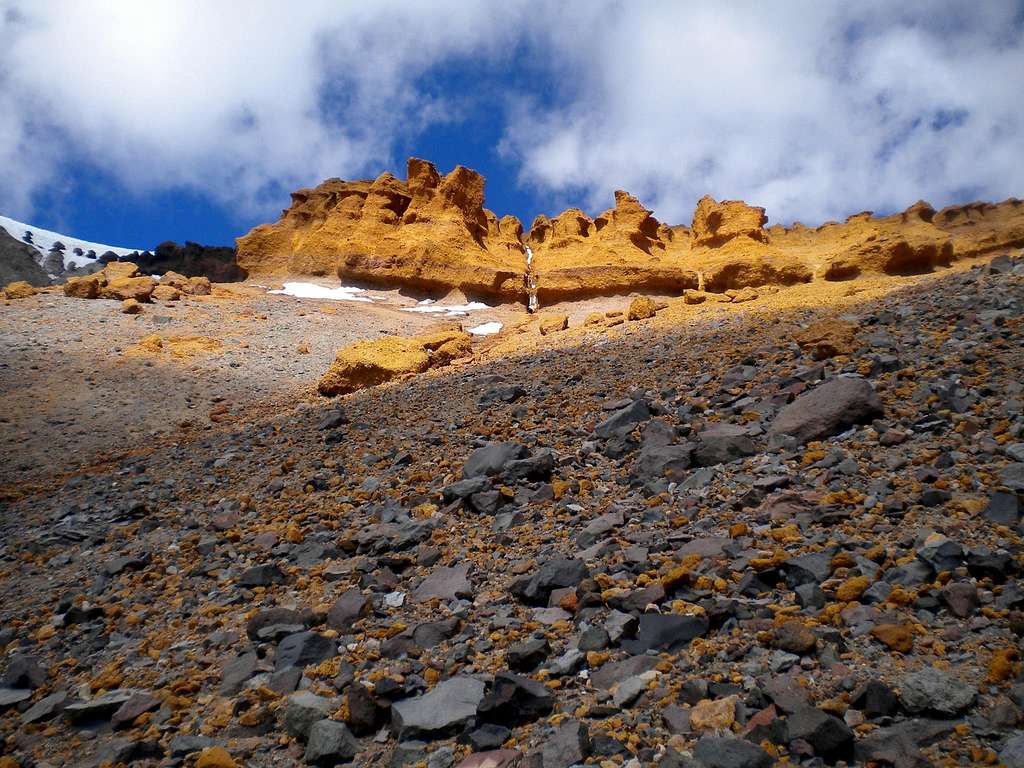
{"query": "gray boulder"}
pixel 828 409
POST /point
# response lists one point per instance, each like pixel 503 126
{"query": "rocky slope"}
pixel 432 235
pixel 759 537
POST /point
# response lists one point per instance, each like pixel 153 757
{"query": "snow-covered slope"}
pixel 43 239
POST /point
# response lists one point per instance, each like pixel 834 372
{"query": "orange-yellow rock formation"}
pixel 429 233
pixel 432 234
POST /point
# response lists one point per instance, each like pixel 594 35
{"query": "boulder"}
pixel 117 270
pixel 85 287
pixel 444 710
pixel 20 289
pixel 641 308
pixel 121 288
pixel 827 338
pixel 828 409
pixel 330 743
pixel 165 293
pixel 549 324
pixel 368 363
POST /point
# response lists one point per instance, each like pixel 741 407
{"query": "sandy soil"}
pixel 75 390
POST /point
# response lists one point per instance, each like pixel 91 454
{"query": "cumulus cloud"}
pixel 814 110
pixel 242 101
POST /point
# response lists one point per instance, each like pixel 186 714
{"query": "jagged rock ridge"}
pixel 432 234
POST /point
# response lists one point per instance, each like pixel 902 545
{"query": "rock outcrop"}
pixel 428 233
pixel 216 263
pixel 431 234
pixel 18 262
pixel 624 249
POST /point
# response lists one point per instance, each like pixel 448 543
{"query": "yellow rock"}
pixel 138 288
pixel 553 324
pixel 713 714
pixel 20 289
pixel 215 757
pixel 641 308
pixel 116 270
pixel 368 363
pixel 85 287
pixel 852 588
pixel 131 307
pixel 165 293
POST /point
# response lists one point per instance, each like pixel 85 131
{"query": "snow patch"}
pixel 486 329
pixel 314 291
pixel 451 310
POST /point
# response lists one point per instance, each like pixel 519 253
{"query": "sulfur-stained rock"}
pixel 368 363
pixel 85 287
pixel 121 288
pixel 429 233
pixel 550 324
pixel 131 307
pixel 19 289
pixel 117 270
pixel 165 293
pixel 641 308
pixel 199 286
pixel 716 223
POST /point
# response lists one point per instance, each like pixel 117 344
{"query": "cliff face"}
pixel 431 233
pixel 624 249
pixel 428 233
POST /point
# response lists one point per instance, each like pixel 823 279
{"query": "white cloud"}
pixel 814 110
pixel 244 101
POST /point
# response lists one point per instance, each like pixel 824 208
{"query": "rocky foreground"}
pixel 771 538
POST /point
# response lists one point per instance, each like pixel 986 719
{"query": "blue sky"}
pixel 132 123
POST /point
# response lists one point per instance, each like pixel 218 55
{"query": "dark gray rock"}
pixel 932 690
pixel 828 409
pixel 11 696
pixel 98 708
pixel 302 709
pixel 262 576
pixel 488 736
pixel 665 462
pixel 330 743
pixel 527 655
pixel 514 700
pixel 304 648
pixel 568 746
pixel 236 672
pixel 1003 508
pixel 665 632
pixel 45 709
pixel 463 489
pixel 444 584
pixel 827 734
pixel 721 444
pixel 443 711
pixel 365 715
pixel 608 675
pixel 716 752
pixel 23 672
pixel 875 699
pixel 349 608
pixel 137 705
pixel 535 589
pixel 270 617
pixel 491 459
pixel 623 420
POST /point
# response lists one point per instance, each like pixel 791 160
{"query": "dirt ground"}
pixel 77 389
